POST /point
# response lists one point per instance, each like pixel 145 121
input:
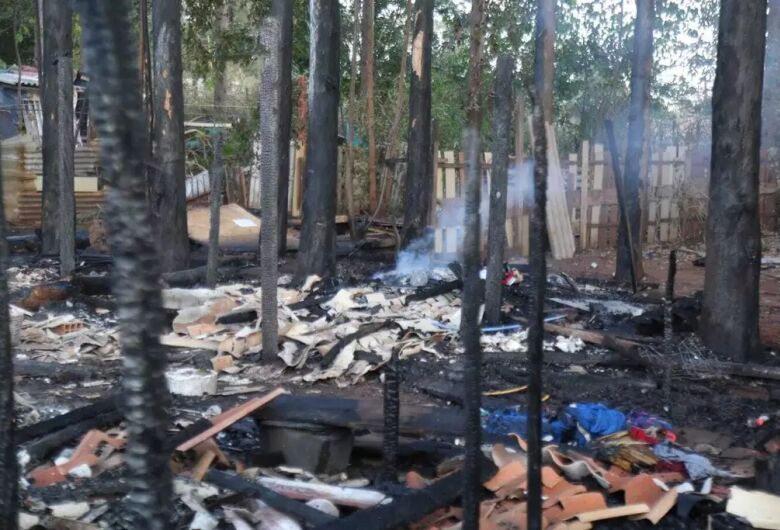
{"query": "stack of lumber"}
pixel 22 165
pixel 559 228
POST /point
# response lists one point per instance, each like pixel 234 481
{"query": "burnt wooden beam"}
pixel 318 232
pixel 418 183
pixel 215 205
pixel 407 509
pixel 363 331
pixel 47 444
pixel 77 415
pixel 502 123
pixel 310 516
pixel 66 144
pixel 627 230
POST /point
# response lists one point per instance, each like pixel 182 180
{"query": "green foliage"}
pixel 19 14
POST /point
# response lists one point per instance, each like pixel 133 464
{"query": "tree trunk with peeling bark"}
pixel 418 183
pixel 168 195
pixel 729 321
pixel 641 76
pixel 318 231
pixel 119 117
pixel 66 144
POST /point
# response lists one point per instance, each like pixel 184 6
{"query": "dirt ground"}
pixel 690 279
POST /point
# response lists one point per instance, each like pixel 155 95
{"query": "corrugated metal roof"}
pixel 10 77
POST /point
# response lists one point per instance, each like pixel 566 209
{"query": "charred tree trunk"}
pixel 418 183
pixel 368 92
pixel 119 116
pixel 9 480
pixel 57 24
pixel 167 194
pixel 641 74
pixel 66 144
pixel 318 232
pixel 352 120
pixel 216 185
pixel 145 64
pixel 472 292
pixel 502 124
pixel 283 12
pixel 269 170
pixel 730 305
pixel 543 93
pixel 549 57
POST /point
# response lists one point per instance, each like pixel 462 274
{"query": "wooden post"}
pixel 167 194
pixel 318 232
pixel 283 12
pixel 367 84
pixel 352 108
pixel 625 219
pixel 519 131
pixel 418 167
pixel 729 320
pixel 641 74
pixel 502 122
pixel 65 149
pixel 584 187
pixel 119 116
pixel 269 170
pixel 543 93
pixel 472 291
pixel 217 185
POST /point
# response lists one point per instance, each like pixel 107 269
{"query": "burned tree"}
pixel 771 104
pixel 729 323
pixel 215 205
pixel 472 291
pixel 167 193
pixel 502 124
pixel 367 84
pixel 542 93
pixel 283 12
pixel 641 74
pixel 9 480
pixel 269 170
pixel 548 45
pixel 318 232
pixel 418 182
pixel 57 44
pixel 119 116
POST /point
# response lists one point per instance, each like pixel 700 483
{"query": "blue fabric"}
pixel 596 419
pixel 509 421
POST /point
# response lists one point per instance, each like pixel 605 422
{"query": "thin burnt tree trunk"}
pixel 549 57
pixel 145 63
pixel 66 144
pixel 352 108
pixel 9 480
pixel 283 12
pixel 543 93
pixel 418 182
pixel 472 291
pixel 318 232
pixel 502 125
pixel 398 107
pixel 269 170
pixel 119 116
pixel 641 75
pixel 369 12
pixel 216 185
pixel 730 305
pixel 57 24
pixel 167 194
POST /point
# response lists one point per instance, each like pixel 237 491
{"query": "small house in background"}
pixel 21 130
